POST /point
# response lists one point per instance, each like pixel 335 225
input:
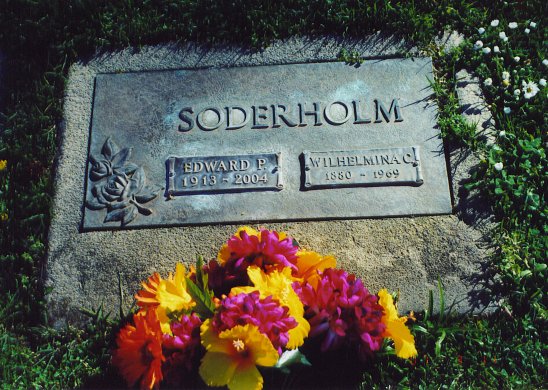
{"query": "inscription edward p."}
pixel 187 175
pixel 353 168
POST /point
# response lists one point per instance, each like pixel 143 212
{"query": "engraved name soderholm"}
pixel 335 113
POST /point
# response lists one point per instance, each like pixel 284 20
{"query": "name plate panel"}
pixel 355 168
pixel 187 175
pixel 297 142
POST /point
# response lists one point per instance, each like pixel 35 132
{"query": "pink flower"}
pixel 272 319
pixel 183 350
pixel 266 249
pixel 186 333
pixel 342 310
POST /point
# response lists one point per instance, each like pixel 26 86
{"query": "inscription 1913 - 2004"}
pixel 188 175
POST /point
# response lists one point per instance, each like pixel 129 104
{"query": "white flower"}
pixel 486 50
pixel 517 92
pixel 542 82
pixel 488 81
pixel 545 62
pixel 516 59
pixel 507 110
pixel 526 31
pixel 505 75
pixel 530 89
pixel 481 30
pixel 494 23
pixel 496 49
pixel 513 25
pixel 502 133
pixel 499 166
pixel 532 25
pixel 478 45
pixel 502 35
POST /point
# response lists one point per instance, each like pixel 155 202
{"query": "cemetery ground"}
pixel 502 349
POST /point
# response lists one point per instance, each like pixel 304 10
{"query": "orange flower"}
pixel 165 296
pixel 139 354
pixel 147 296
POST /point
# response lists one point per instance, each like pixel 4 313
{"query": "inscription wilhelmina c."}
pixel 373 167
pixel 273 116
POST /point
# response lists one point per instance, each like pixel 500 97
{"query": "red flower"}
pixel 139 354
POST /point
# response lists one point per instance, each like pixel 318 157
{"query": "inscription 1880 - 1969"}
pixel 353 168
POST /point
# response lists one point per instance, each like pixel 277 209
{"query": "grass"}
pixel 42 38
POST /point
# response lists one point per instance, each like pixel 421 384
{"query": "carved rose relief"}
pixel 118 185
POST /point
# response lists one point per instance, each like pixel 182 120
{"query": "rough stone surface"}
pixel 86 269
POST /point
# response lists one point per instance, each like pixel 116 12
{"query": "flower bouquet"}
pixel 259 304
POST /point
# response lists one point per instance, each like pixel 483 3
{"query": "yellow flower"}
pixel 232 356
pixel 4 217
pixel 309 263
pixel 172 296
pixel 3 164
pixel 278 285
pixel 404 341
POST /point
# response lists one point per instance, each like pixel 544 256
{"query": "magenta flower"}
pixel 266 249
pixel 343 311
pixel 272 319
pixel 183 350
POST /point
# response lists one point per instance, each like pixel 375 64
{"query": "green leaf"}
pixel 438 343
pixel 200 292
pixel 442 300
pixel 204 302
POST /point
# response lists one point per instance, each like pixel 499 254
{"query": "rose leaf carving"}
pixel 109 149
pixel 128 169
pixel 143 210
pixel 94 205
pixel 129 216
pixel 116 215
pixel 120 158
pixel 146 197
pixel 119 205
pixel 137 181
